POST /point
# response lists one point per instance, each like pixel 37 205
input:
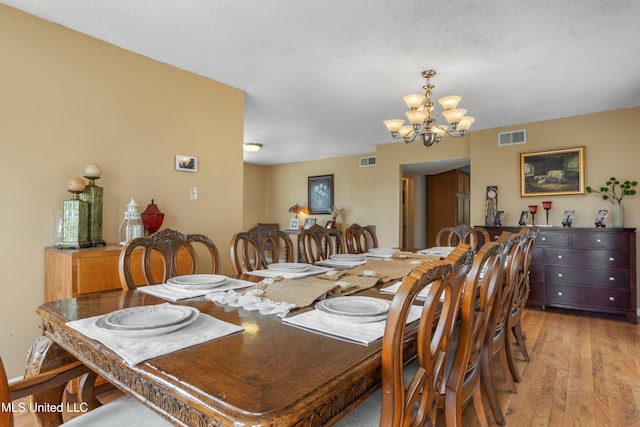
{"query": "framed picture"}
pixel 601 218
pixel 524 216
pixel 309 222
pixel 320 195
pixel 498 219
pixel 186 163
pixel 567 218
pixel 329 224
pixel 552 173
pixel 294 224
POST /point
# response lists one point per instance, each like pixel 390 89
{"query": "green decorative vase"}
pixel 618 215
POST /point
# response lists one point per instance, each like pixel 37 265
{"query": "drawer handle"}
pixel 611 258
pixel 612 279
pixel 560 257
pixel 543 238
pixel 559 294
pixel 559 274
pixel 612 298
pixel 599 240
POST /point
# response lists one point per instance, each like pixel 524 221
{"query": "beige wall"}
pixel 69 100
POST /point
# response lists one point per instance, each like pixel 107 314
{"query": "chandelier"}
pixel 422 117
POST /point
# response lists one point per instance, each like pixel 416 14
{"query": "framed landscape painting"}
pixel 552 173
pixel 320 194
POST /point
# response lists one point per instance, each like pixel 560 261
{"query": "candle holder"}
pixel 75 213
pixel 547 207
pixel 93 195
pixel 532 210
pixel 152 218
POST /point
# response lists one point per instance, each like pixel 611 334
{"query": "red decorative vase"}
pixel 152 218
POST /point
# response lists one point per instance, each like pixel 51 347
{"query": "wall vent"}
pixel 368 161
pixel 512 138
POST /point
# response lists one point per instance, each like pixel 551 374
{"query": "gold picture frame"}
pixel 552 173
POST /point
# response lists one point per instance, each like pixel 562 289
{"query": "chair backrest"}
pixel 173 249
pixel 452 236
pixel 521 293
pixel 480 292
pixel 483 236
pixel 258 247
pixel 360 239
pixel 317 243
pixel 414 401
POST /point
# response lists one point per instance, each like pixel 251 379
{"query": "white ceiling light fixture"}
pixel 252 146
pixel 422 117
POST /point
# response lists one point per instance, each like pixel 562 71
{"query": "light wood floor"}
pixel 584 371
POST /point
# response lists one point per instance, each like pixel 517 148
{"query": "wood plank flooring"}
pixel 584 372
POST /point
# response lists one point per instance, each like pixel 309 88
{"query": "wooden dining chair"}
pixel 480 292
pixel 521 294
pixel 497 344
pixel 452 236
pixel 482 234
pixel 317 243
pixel 258 247
pixel 48 385
pixel 174 251
pixel 360 239
pixel 409 397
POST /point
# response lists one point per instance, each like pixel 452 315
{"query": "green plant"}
pixel 615 190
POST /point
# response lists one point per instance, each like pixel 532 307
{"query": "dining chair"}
pixel 464 370
pixel 360 239
pixel 258 247
pixel 451 236
pixel 318 243
pixel 497 344
pixel 520 296
pixel 482 234
pixel 51 383
pixel 176 251
pixel 411 398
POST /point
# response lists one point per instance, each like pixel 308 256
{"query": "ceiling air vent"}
pixel 512 138
pixel 368 161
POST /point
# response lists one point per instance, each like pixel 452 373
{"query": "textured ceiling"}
pixel 320 76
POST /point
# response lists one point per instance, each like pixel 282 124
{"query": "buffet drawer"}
pixel 619 241
pixel 586 258
pixel 588 297
pixel 553 239
pixel 605 278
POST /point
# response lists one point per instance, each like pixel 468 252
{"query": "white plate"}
pixel 382 250
pixel 354 306
pixel 148 320
pixel 438 250
pixel 348 257
pixel 197 281
pixel 290 266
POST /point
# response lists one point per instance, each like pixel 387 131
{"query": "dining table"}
pixel 265 372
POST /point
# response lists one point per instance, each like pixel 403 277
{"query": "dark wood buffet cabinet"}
pixel 591 269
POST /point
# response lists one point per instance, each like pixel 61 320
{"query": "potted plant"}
pixel 615 191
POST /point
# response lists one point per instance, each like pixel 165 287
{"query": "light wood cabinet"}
pixel 73 272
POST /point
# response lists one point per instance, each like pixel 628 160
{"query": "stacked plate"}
pixel 197 281
pixel 349 257
pixel 381 252
pixel 355 309
pixel 290 267
pixel 148 320
pixel 438 250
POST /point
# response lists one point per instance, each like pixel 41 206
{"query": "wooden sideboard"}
pixel 72 272
pixel 591 269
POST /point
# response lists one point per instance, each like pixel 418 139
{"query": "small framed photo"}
pixel 294 224
pixel 524 216
pixel 309 222
pixel 567 218
pixel 329 224
pixel 601 218
pixel 498 219
pixel 186 163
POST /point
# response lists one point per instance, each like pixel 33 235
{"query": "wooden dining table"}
pixel 270 374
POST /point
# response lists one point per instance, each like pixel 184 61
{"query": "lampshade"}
pixel 405 131
pixel 393 125
pixel 449 102
pixel 454 116
pixel 416 117
pixel 465 123
pixel 413 100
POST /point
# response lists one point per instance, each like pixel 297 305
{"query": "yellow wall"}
pixel 69 100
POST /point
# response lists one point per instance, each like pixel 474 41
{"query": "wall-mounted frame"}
pixel 186 163
pixel 320 194
pixel 309 222
pixel 552 173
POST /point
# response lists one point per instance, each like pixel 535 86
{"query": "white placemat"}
pixel 359 333
pixel 393 289
pixel 267 272
pixel 138 349
pixel 172 293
